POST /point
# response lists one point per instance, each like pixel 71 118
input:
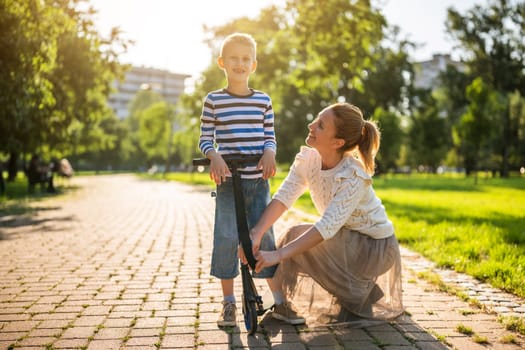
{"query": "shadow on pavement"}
pixel 402 332
pixel 24 220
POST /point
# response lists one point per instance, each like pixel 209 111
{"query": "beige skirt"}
pixel 349 279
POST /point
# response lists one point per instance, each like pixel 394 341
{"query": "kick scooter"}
pixel 252 304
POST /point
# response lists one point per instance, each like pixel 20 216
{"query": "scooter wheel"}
pixel 250 317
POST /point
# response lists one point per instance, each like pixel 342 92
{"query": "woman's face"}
pixel 322 133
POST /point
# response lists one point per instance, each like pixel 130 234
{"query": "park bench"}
pixel 39 174
pixel 42 174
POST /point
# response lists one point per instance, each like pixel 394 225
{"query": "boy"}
pixel 239 120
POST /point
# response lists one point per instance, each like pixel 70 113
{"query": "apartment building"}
pixel 168 84
pixel 426 72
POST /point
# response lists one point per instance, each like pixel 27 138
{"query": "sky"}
pixel 168 33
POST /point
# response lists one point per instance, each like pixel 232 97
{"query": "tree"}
pixel 492 39
pixel 309 59
pixel 327 56
pixel 108 140
pixel 185 138
pixel 156 132
pixel 142 100
pixel 392 137
pixel 451 102
pixel 55 78
pixel 386 84
pixel 428 135
pixel 478 125
pixel 26 94
pixel 517 120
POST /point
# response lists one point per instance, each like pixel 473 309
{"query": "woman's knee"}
pixel 293 232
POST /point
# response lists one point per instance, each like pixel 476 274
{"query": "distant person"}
pixel 346 266
pixel 238 120
pixel 34 173
pixel 65 169
pixel 37 173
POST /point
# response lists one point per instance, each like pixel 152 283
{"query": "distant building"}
pixel 426 72
pixel 170 85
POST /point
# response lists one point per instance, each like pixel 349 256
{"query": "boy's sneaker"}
pixel 286 313
pixel 228 315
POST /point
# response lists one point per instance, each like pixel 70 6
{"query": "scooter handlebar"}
pixel 201 161
pixel 230 159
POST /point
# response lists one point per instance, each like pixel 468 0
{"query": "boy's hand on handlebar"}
pixel 218 168
pixel 242 256
pixel 267 164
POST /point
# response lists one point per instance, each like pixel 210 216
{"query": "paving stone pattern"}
pixel 123 263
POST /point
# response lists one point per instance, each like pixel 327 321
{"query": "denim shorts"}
pixel 225 260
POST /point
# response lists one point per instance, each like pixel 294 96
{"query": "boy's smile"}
pixel 238 62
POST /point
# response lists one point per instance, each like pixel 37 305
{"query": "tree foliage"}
pixel 155 131
pixel 392 137
pixel 477 128
pixel 347 52
pixel 308 59
pixel 24 65
pixel 55 78
pixel 492 38
pixel 56 74
pixel 428 134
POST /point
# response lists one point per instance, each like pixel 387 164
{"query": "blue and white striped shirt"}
pixel 238 125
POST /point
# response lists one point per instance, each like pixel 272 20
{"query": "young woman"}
pixel 346 266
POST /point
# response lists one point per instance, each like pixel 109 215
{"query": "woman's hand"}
pixel 308 239
pixel 267 258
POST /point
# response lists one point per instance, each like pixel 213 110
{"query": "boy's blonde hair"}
pixel 239 38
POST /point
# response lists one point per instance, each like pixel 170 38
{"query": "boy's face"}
pixel 238 62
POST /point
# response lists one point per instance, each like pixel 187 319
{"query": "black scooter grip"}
pixel 201 161
pixel 230 159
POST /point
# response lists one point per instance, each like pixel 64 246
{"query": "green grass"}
pixel 478 229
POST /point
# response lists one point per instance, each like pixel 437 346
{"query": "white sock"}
pixel 229 298
pixel 278 298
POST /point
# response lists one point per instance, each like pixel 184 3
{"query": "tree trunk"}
pixel 12 166
pixel 505 146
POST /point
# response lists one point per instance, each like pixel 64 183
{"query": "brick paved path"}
pixel 122 263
